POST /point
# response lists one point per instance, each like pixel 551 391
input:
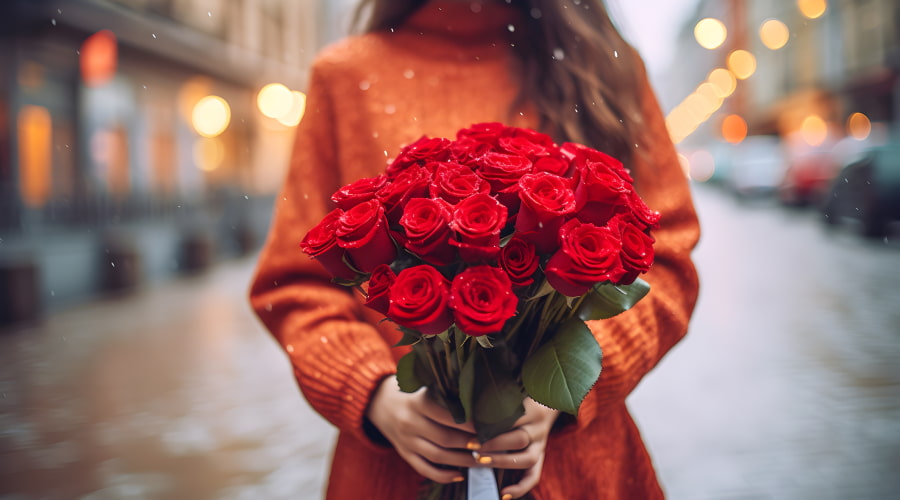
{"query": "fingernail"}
pixel 506 497
pixel 473 445
pixel 459 479
pixel 485 460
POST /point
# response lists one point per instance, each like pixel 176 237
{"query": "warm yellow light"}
pixel 723 80
pixel 774 34
pixel 35 154
pixel 742 64
pixel 274 100
pixel 814 130
pixel 710 33
pixel 711 93
pixel 211 116
pixel 859 126
pixel 734 129
pixel 295 113
pixel 812 8
pixel 208 153
pixel 191 91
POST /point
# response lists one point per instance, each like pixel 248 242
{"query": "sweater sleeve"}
pixel 635 341
pixel 337 357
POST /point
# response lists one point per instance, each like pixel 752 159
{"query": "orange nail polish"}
pixel 473 445
pixel 459 479
pixel 506 497
pixel 485 460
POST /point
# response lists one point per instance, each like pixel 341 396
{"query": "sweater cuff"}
pixel 338 367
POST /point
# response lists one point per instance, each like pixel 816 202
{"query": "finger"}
pixel 443 456
pixel 430 471
pixel 514 440
pixel 526 484
pixel 521 460
pixel 441 415
pixel 446 437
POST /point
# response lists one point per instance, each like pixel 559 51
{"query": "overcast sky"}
pixel 652 26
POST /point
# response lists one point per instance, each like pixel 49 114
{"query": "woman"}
pixel 431 68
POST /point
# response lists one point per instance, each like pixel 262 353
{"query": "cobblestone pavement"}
pixel 787 387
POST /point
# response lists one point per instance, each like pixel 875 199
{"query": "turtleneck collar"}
pixel 465 23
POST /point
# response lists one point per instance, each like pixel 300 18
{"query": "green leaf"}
pixel 410 336
pixel 563 370
pixel 606 300
pixel 496 395
pixel 407 378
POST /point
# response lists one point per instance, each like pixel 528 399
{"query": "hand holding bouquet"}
pixel 490 252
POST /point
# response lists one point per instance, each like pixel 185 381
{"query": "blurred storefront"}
pixel 810 71
pixel 133 142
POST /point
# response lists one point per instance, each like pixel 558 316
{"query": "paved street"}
pixel 787 387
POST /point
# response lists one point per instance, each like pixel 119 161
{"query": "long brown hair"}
pixel 577 70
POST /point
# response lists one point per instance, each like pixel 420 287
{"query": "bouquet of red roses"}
pixel 490 252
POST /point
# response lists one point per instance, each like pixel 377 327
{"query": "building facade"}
pixel 840 58
pixel 109 177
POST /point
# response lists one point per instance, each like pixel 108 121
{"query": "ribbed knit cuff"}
pixel 338 368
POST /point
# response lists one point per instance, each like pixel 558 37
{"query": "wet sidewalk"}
pixel 176 392
pixel 787 387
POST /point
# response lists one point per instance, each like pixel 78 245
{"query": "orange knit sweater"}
pixel 448 68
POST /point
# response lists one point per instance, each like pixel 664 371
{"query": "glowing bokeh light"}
pixel 812 9
pixel 208 153
pixel 295 113
pixel 702 165
pixel 742 64
pixel 211 116
pixel 710 33
pixel 723 80
pixel 275 100
pixel 814 130
pixel 774 34
pixel 35 127
pixel 98 58
pixel 859 126
pixel 734 129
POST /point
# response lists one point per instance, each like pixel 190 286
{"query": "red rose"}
pixel 487 132
pixel 482 300
pixel 379 285
pixel 554 165
pixel 648 218
pixel 426 222
pixel 503 171
pixel 357 192
pixel 637 249
pixel 603 186
pixel 363 231
pixel 422 151
pixel 525 142
pixel 454 182
pixel 520 261
pixel 477 222
pixel 321 244
pixel 588 255
pixel 410 183
pixel 419 298
pixel 546 200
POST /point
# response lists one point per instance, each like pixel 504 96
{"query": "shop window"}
pixel 35 128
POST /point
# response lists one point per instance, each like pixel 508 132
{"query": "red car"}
pixel 808 178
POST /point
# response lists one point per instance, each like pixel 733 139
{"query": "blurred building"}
pixel 814 68
pixel 133 145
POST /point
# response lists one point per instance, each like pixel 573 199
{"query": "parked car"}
pixel 757 166
pixel 808 177
pixel 867 191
